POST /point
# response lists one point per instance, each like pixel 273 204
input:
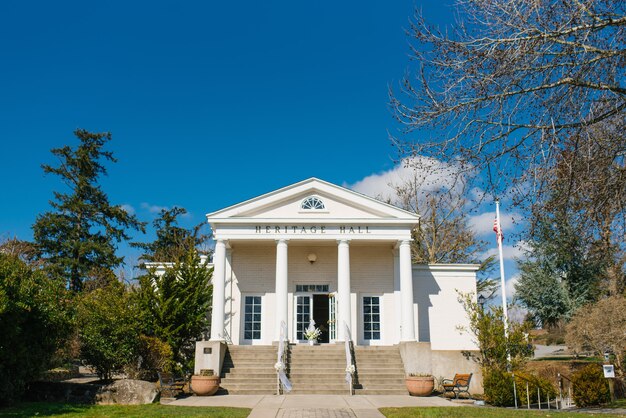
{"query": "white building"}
pixel 314 250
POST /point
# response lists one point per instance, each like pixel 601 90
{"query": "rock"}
pixel 127 392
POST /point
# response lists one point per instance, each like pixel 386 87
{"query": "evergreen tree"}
pixel 175 305
pixel 173 242
pixel 81 234
pixel 561 273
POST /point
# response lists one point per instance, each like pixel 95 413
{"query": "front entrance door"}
pixel 321 317
pixel 316 307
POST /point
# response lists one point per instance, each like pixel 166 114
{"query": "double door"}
pixel 321 308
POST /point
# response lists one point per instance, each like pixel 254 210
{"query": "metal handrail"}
pixel 282 381
pixel 350 368
pixel 569 389
pixel 528 392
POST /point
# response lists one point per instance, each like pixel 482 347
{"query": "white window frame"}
pixel 248 341
pixel 361 321
pixel 296 295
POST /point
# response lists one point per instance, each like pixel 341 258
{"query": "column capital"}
pixel 345 241
pixel 282 241
pixel 403 242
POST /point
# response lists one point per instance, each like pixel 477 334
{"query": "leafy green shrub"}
pixel 34 321
pixel 155 356
pixel 498 387
pixel 590 387
pixel 109 329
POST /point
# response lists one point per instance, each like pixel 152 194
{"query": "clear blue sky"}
pixel 209 103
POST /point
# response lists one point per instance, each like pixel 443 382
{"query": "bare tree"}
pixel 501 92
pixel 443 234
pixel 599 328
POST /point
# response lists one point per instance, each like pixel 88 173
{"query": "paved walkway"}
pixel 313 406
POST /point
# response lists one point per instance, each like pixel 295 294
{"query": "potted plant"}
pixel 312 333
pixel 206 383
pixel 419 384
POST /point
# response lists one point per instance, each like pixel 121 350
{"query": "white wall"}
pixel 436 290
pixel 371 269
pixel 254 269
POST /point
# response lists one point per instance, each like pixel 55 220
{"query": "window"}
pixel 303 315
pixel 312 203
pixel 322 288
pixel 371 318
pixel 252 322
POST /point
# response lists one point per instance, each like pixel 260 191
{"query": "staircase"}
pixel 380 371
pixel 313 370
pixel 317 370
pixel 249 369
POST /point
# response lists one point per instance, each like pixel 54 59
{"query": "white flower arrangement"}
pixel 350 369
pixel 312 333
pixel 279 366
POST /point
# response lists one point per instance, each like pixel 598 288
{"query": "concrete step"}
pixel 251 379
pixel 245 374
pixel 252 356
pixel 257 367
pixel 249 361
pixel 316 370
pixel 313 370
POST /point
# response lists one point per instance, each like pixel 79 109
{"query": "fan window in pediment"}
pixel 312 203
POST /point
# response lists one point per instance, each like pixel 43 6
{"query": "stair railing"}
pixel 568 400
pixel 528 382
pixel 350 368
pixel 281 376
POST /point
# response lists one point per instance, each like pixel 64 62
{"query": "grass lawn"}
pixel 51 409
pixel 480 412
pixel 620 403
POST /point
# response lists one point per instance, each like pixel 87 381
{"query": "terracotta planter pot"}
pixel 205 385
pixel 420 385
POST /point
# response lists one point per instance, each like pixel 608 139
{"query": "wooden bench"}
pixel 460 384
pixel 171 383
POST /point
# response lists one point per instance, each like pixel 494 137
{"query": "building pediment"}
pixel 314 201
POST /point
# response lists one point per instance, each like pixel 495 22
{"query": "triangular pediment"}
pixel 329 201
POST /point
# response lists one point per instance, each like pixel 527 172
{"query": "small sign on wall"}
pixel 609 371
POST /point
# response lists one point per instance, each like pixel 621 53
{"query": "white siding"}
pixel 436 293
pixel 371 270
pixel 254 269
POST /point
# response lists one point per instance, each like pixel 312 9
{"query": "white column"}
pixel 219 286
pixel 406 289
pixel 281 287
pixel 397 297
pixel 343 289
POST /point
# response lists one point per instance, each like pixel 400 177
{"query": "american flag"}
pixel 498 230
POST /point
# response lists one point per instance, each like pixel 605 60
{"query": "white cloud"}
pixel 153 208
pixel 509 288
pixel 128 209
pixel 156 209
pixel 429 173
pixel 509 252
pixel 482 224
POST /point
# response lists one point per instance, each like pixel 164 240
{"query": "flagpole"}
pixel 502 280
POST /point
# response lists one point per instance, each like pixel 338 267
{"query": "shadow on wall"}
pixel 424 285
